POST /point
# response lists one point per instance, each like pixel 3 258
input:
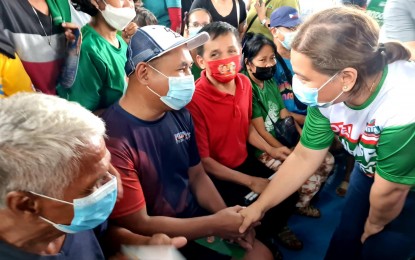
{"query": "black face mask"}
pixel 265 73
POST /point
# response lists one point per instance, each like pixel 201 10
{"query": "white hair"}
pixel 42 141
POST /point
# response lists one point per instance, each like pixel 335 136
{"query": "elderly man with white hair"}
pixel 54 181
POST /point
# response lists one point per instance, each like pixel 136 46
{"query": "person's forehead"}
pixel 198 16
pixel 175 57
pixel 265 50
pixel 222 42
pixel 302 64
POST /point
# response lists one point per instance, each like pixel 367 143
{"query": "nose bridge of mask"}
pixel 97 195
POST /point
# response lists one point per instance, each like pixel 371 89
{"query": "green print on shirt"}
pixel 363 149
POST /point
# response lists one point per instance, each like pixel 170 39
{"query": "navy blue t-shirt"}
pixel 153 159
pixel 80 246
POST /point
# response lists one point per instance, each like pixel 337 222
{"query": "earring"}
pixel 345 88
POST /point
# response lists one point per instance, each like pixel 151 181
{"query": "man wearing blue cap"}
pixel 153 146
pixel 284 22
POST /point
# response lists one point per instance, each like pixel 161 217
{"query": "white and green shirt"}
pixel 380 133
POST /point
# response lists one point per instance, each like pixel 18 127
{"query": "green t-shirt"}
pixel 375 10
pixel 272 103
pixel 196 71
pixel 380 133
pixel 257 27
pixel 100 80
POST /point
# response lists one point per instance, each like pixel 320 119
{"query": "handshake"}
pixel 237 224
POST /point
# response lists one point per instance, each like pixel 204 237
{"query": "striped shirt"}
pixel 28 32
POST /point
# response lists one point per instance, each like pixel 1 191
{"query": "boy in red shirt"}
pixel 221 108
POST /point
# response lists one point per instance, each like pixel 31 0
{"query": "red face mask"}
pixel 225 70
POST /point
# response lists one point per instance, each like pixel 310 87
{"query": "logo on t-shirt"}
pixel 182 136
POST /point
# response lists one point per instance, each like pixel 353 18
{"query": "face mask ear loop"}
pixel 328 81
pixel 47 197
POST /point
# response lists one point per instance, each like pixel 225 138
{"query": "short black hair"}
pixel 252 44
pixel 215 30
pixel 194 11
pixel 85 6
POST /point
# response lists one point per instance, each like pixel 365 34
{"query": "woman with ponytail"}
pixel 360 90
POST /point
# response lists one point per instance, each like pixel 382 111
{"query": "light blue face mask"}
pixel 89 211
pixel 309 96
pixel 180 92
pixel 288 39
pixel 193 31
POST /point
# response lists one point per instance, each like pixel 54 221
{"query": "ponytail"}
pixel 395 51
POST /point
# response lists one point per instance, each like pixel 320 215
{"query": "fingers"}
pixel 70 26
pixel 245 244
pixel 245 224
pixel 285 150
pixel 178 242
pixel 237 208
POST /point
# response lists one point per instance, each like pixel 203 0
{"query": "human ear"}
pixel 141 73
pixel 201 62
pixel 22 203
pixel 348 79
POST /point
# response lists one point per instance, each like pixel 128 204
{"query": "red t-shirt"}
pixel 222 120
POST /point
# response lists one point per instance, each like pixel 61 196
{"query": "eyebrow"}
pixel 301 75
pixel 184 64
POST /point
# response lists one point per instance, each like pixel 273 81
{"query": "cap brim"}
pixel 192 42
pixel 289 24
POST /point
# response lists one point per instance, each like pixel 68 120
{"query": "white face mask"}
pixel 118 18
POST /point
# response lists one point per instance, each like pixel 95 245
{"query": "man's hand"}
pixel 162 239
pixel 280 153
pixel 227 223
pixel 129 31
pixel 258 184
pixel 251 215
pixel 370 230
pixel 261 9
pixel 247 242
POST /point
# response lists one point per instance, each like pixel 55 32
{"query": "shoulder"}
pixel 244 81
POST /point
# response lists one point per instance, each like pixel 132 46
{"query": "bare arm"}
pixel 222 172
pixel 257 141
pixel 386 202
pixel 223 224
pixel 204 189
pixel 303 162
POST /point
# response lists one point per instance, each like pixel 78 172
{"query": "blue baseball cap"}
pixel 285 16
pixel 150 42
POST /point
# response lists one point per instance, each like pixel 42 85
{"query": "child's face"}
pixel 223 47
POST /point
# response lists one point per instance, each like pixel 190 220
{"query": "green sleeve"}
pixel 256 107
pixel 317 133
pixel 89 80
pixel 395 154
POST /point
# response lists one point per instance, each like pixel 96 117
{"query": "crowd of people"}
pixel 204 125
